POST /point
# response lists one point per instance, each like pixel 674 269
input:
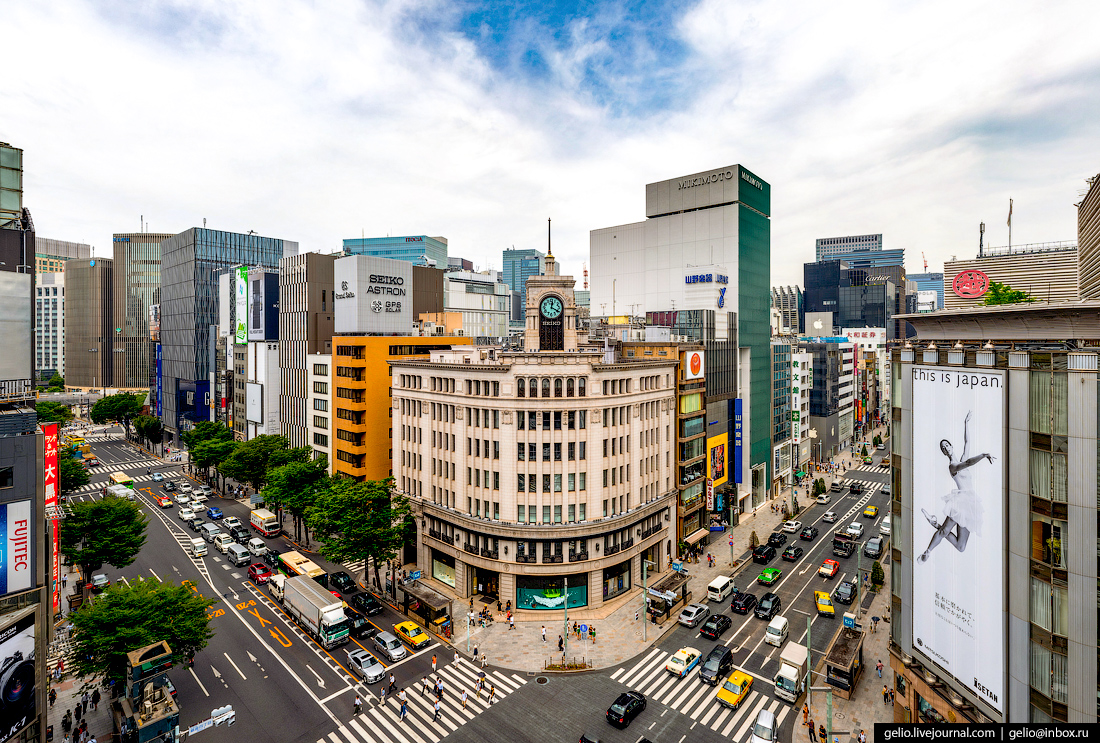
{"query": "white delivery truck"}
pixel 316 610
pixel 790 681
pixel 265 522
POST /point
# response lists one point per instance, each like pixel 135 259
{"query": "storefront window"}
pixel 926 713
pixel 548 592
pixel 443 568
pixel 616 580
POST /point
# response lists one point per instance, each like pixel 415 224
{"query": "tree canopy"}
pixel 294 487
pixel 206 431
pixel 70 471
pixel 999 293
pixel 53 411
pixel 124 618
pixel 150 428
pixel 109 531
pixel 251 461
pixel 360 520
pixel 121 408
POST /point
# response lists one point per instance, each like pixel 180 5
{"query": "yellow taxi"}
pixel 824 604
pixel 411 633
pixel 870 511
pixel 735 689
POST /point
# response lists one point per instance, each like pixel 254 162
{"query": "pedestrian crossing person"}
pixel 433 664
pixel 403 697
pixel 456 656
pixel 393 683
pixel 463 699
pixel 477 686
pixel 382 698
pixel 436 711
pixel 424 686
pixel 492 693
pixel 404 712
pixel 358 705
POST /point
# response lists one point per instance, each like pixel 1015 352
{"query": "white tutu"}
pixel 964 507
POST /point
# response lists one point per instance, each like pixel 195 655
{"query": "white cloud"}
pixel 317 122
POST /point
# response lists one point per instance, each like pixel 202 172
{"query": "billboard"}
pixel 958 530
pixel 263 305
pixel 15 552
pixel 738 437
pixel 254 406
pixel 717 449
pixel 160 384
pixel 692 363
pixel 52 481
pixel 373 295
pixel 240 334
pixel 17 676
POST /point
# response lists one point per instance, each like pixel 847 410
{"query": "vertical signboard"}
pixel 958 530
pixel 52 481
pixel 15 553
pixel 241 332
pixel 710 494
pixel 19 678
pixel 738 432
pixel 160 386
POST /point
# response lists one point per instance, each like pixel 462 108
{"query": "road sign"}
pixel 584 628
pixel 198 727
pixel 731 543
pixel 414 575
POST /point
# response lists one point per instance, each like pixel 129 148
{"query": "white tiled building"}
pixel 49 307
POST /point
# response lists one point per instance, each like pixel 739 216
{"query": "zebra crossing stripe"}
pixel 334 737
pixel 711 714
pixel 749 719
pixel 346 733
pixel 641 663
pixel 694 698
pixel 634 678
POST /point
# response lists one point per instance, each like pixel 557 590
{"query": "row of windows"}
pixel 573 481
pixel 551 420
pixel 572 387
pixel 529 452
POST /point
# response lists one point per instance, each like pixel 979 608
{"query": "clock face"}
pixel 550 308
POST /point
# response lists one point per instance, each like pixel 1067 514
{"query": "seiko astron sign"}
pixel 373 295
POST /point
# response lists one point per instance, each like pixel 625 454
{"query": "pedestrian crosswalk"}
pixel 697 700
pixel 355 567
pixel 867 468
pixel 94 487
pixel 383 724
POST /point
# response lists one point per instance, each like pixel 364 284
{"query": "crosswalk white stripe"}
pixel 334 737
pixel 616 674
pixel 659 688
pixel 684 691
pixel 677 688
pixel 705 688
pixel 653 679
pixel 749 718
pixel 710 713
pixel 522 682
pixel 782 715
pixel 382 719
pixel 425 710
pixel 724 712
pixel 348 734
pixel 640 663
pixel 503 681
pixel 644 667
pixel 378 734
pixel 359 729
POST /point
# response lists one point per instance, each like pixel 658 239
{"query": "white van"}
pixel 884 526
pixel 198 548
pixel 777 630
pixel 238 555
pixel 720 588
pixel 209 531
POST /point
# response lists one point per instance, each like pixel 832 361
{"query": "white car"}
pixel 186 514
pixel 230 521
pixel 830 517
pixel 206 490
pixel 366 665
pixel 256 547
pixel 854 530
pixel 198 499
pixel 222 542
pixel 792 527
pixel 182 497
pixel 185 487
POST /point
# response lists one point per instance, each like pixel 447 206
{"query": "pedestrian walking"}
pixel 76 712
pixel 95 699
pixel 891 697
pixel 805 713
pixel 53 696
pixel 592 633
pixel 813 732
pixel 393 683
pixel 436 711
pixel 382 698
pixel 456 657
pixel 484 659
pixel 424 686
pixel 878 667
pixel 403 697
pixel 357 707
pixel 544 633
pixel 561 643
pixel 84 699
pixel 862 737
pixel 475 652
pixel 67 722
pixel 885 694
pixel 477 687
pixel 492 693
pixel 824 736
pixel 404 712
pixel 433 664
pixel 463 699
pixel 511 622
pixel 65 580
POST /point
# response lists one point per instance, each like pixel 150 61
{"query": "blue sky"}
pixel 477 121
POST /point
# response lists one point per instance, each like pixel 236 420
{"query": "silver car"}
pixel 765 729
pixel 366 665
pixel 693 615
pixel 389 646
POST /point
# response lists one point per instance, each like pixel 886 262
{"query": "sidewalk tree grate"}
pixel 542 680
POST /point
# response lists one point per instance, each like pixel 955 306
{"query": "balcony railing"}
pixel 577 556
pixel 611 549
pixel 626 544
pixel 492 554
pixel 552 558
pixel 526 558
pixel 472 549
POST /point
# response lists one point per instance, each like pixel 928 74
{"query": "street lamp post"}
pixel 645 614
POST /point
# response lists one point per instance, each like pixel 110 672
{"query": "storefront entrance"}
pixel 485 583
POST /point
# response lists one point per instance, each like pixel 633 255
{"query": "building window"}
pixel 557 483
pixel 546 387
pixel 320 370
pixel 557 391
pixel 319 403
pixel 320 421
pixel 521 516
pixel 546 483
pixel 320 439
pixel 546 514
pixel 521 484
pixel 321 388
pixel 7 477
pixel 581 485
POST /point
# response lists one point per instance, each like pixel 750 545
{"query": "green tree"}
pixel 877 576
pixel 206 431
pixel 877 440
pixel 251 460
pixel 360 521
pixel 70 471
pixel 53 411
pixel 149 428
pixel 125 618
pixel 294 488
pixel 863 451
pixel 56 380
pixel 109 531
pixel 999 293
pixel 120 408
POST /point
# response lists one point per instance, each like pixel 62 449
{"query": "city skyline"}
pixel 511 116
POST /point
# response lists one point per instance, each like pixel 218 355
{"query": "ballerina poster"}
pixel 958 525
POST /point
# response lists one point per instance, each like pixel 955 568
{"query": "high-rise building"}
pixel 929 282
pixel 1088 240
pixel 418 249
pixel 782 375
pixel 50 255
pixel 136 288
pixel 802 382
pixel 831 248
pixel 705 246
pixel 832 397
pixel 869 259
pixel 191 263
pixel 520 265
pixel 480 299
pixel 306 296
pixel 89 332
pixel 49 323
pixel 788 301
pixel 995 451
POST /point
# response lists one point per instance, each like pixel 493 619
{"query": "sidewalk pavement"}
pixel 69 690
pixel 618 633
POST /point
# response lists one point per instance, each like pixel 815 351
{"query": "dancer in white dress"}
pixel 962 510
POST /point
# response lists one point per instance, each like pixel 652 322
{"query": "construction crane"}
pixel 585 266
pixel 925 261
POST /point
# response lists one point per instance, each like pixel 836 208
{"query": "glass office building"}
pixel 830 248
pixel 519 265
pixel 930 282
pixel 136 287
pixel 191 263
pixel 410 248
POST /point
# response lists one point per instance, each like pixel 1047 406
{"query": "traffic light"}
pixel 224 714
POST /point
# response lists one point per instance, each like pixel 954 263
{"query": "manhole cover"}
pixel 838 715
pixel 542 680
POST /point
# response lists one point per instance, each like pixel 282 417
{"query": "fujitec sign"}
pixel 970 284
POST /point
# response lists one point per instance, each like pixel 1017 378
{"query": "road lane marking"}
pixel 335 694
pixel 204 691
pixel 155 574
pixel 320 681
pixel 238 670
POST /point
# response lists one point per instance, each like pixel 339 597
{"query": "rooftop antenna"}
pixel 981 239
pixel 548 250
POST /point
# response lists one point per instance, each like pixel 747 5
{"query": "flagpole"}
pixel 1010 225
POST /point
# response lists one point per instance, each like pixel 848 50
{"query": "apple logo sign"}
pixel 818 325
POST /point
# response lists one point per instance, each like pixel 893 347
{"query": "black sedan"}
pixel 792 553
pixel 743 603
pixel 769 606
pixel 856 488
pixel 845 593
pixel 715 626
pixel 809 533
pixel 778 539
pixel 763 554
pixel 365 603
pixel 628 706
pixel 342 582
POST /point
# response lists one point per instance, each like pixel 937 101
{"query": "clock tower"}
pixel 551 311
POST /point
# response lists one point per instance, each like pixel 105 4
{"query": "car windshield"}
pixel 782 682
pixel 824 601
pixel 677 661
pixel 732 686
pixel 711 664
pixel 773 630
pixel 762 731
pixel 618 708
pixel 414 632
pixel 766 604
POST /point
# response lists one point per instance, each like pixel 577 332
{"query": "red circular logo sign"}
pixel 970 284
pixel 696 363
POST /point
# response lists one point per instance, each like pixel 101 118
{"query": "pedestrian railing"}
pixel 566 664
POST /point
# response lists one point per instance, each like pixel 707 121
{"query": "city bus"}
pixel 294 563
pixel 121 478
pixel 74 440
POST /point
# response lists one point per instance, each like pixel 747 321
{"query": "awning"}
pixel 696 536
pixel 429 596
pixel 800 473
pixel 670 583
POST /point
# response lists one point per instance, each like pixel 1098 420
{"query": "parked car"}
pixel 845 593
pixel 792 553
pixel 809 533
pixel 366 666
pixel 743 603
pixel 681 663
pixel 715 625
pixel 259 573
pixel 625 708
pixel 884 525
pixel 777 539
pixel 366 603
pixel 873 548
pixel 830 517
pixel 770 605
pixel 158 477
pixel 693 615
pixel 763 554
pixel 214 513
pixel 791 526
pixel 342 582
pixel 829 568
pixel 769 576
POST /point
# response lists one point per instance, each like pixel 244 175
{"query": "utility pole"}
pixel 645 614
pixel 566 633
